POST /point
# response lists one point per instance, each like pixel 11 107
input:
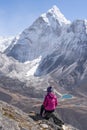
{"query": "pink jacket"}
pixel 50 101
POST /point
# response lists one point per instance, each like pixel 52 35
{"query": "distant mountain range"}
pixel 5 42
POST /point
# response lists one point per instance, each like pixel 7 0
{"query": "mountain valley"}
pixel 52 51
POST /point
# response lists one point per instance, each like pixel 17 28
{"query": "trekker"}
pixel 49 104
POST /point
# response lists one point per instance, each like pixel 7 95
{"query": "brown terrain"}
pixel 72 111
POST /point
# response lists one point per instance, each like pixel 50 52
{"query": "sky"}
pixel 16 15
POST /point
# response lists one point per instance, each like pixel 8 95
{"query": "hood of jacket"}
pixel 51 95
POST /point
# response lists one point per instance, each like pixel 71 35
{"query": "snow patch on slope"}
pixel 34 65
pixel 5 42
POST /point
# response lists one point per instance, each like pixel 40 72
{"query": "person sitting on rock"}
pixel 49 104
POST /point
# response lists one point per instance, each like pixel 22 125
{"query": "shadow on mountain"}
pixel 5 97
pixel 35 116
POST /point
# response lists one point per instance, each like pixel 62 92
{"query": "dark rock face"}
pixel 17 48
pixel 49 63
pixel 55 59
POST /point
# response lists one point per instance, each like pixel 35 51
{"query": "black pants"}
pixel 45 113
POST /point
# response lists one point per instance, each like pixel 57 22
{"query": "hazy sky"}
pixel 16 15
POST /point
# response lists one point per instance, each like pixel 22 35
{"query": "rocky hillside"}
pixel 72 111
pixel 15 119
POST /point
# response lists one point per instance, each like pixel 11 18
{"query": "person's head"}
pixel 49 89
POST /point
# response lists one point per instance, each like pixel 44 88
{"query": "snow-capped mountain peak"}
pixel 56 13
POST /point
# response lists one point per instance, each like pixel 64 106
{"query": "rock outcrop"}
pixel 12 118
